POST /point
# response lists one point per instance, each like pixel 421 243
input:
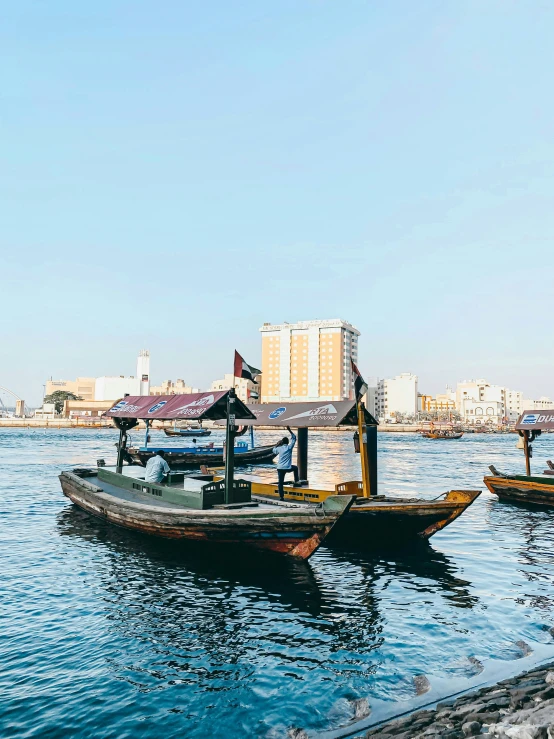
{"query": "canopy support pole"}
pixel 251 437
pixel 120 447
pixel 302 453
pixel 363 450
pixel 371 449
pixel 526 451
pixel 147 422
pixel 230 447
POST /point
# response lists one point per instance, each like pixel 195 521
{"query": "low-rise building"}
pixel 484 413
pixel 542 404
pixel 247 391
pixel 82 387
pixel 397 396
pixel 86 408
pixel 168 387
pixel 113 388
pixel 48 411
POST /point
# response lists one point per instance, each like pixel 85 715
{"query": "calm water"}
pixel 107 633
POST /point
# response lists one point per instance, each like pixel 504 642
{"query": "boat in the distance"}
pixel 219 512
pixel 187 431
pixel 196 456
pixel 443 433
pixel 535 489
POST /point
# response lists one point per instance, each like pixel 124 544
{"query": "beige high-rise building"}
pixel 308 360
pixel 82 387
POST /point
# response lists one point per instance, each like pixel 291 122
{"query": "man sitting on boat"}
pixel 156 467
pixel 283 450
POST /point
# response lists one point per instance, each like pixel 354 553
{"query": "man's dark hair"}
pixel 160 453
pixel 284 441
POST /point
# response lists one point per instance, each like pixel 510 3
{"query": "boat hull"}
pixel 397 521
pixel 390 521
pixel 191 433
pixel 297 532
pixel 521 491
pixel 190 460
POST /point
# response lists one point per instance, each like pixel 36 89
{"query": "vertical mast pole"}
pixel 363 450
pixel 147 422
pixel 230 446
pixel 526 451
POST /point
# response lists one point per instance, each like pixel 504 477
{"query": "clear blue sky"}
pixel 173 174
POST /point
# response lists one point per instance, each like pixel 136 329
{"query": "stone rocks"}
pixel 361 708
pixel 471 728
pixel 516 708
pixel 421 684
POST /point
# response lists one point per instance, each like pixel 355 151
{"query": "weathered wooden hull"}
pixel 515 490
pixel 190 460
pixel 438 437
pixel 397 521
pixel 384 520
pixel 297 532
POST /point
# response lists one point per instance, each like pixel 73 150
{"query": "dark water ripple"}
pixel 106 633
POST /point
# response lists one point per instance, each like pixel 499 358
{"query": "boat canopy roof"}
pixel 193 406
pixel 535 421
pixel 304 415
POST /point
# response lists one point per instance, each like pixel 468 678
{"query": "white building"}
pixel 371 396
pixel 113 388
pixel 542 404
pixel 397 396
pixel 308 360
pixel 484 412
pixel 247 391
pixel 48 411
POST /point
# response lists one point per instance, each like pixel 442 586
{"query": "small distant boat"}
pixel 536 489
pixel 442 434
pixel 196 433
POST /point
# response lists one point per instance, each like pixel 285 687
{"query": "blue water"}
pixel 107 633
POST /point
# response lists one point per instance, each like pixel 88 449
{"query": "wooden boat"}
pixel 375 520
pixel 196 433
pixel 443 435
pixel 528 488
pixel 195 457
pixel 194 509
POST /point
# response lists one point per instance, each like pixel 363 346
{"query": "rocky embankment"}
pixel 518 708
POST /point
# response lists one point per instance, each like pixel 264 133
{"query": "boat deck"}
pixel 258 505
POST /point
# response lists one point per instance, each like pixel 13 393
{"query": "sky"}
pixel 175 174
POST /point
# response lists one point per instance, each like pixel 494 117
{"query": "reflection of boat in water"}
pixel 528 488
pixel 196 508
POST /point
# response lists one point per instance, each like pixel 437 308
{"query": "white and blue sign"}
pixel 278 412
pixel 530 418
pixel 157 407
pixel 119 406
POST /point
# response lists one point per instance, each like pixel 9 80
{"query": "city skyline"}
pixel 392 164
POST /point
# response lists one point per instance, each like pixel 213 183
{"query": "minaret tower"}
pixel 143 371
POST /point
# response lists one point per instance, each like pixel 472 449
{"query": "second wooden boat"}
pixel 528 488
pixel 195 457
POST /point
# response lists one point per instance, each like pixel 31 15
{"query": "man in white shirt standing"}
pixel 156 467
pixel 283 450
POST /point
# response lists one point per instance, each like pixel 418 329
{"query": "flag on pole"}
pixel 243 369
pixel 360 385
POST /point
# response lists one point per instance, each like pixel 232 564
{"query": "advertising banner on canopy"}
pixel 536 420
pixel 193 406
pixel 305 415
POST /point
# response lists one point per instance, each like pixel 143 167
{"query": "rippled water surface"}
pixel 108 633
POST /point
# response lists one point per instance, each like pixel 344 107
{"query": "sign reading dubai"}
pixel 535 420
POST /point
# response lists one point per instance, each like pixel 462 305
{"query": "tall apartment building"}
pixel 308 360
